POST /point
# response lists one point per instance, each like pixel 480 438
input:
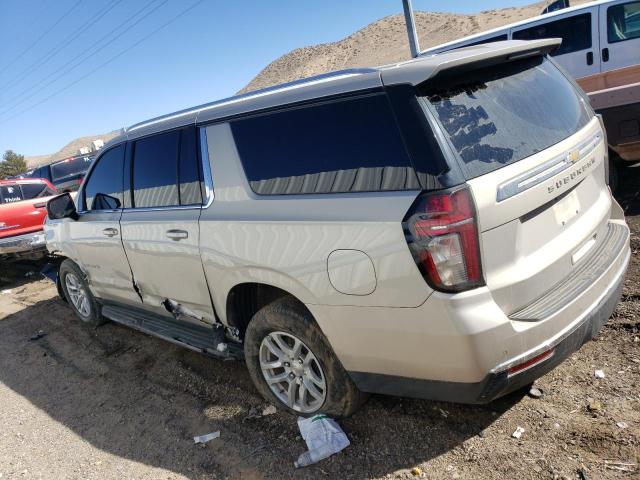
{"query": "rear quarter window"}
pixel 499 115
pixel 345 145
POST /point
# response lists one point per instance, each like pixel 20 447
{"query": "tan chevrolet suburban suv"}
pixel 440 228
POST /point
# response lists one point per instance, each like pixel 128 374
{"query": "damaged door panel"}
pixel 167 272
pixel 160 227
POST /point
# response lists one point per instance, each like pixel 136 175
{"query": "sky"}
pixel 70 68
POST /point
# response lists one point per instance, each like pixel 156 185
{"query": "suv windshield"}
pixel 70 166
pixel 499 115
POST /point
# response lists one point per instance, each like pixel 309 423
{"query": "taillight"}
pixel 443 238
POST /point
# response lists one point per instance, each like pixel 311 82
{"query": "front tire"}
pixel 292 365
pixel 76 291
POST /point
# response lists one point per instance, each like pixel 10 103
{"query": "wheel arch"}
pixel 245 299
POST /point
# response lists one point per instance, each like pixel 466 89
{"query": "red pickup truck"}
pixel 22 213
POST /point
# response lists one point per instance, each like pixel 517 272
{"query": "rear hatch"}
pixel 533 155
pixel 23 207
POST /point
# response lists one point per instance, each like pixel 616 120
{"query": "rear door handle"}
pixel 110 232
pixel 605 54
pixel 177 235
pixel 589 58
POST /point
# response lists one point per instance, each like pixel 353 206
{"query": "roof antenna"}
pixel 411 28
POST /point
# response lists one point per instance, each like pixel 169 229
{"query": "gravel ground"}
pixel 113 403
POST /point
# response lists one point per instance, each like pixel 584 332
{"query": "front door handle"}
pixel 110 232
pixel 177 235
pixel 589 58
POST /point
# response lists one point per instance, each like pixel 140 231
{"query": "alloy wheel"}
pixel 292 372
pixel 79 297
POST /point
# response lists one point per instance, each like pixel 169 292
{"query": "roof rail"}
pixel 256 93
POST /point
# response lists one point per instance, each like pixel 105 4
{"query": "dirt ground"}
pixel 113 403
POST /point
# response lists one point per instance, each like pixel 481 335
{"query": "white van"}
pixel 600 49
pixel 597 37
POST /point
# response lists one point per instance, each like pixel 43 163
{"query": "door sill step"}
pixel 199 338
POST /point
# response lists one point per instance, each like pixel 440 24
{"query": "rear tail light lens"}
pixel 442 233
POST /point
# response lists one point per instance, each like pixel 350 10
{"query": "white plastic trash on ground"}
pixel 324 437
pixel 206 438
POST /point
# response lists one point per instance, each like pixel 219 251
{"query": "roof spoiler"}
pixel 419 71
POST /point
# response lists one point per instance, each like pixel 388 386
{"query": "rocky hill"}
pixel 68 150
pixel 385 41
pixel 381 42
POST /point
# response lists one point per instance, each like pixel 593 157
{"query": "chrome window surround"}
pixel 548 169
pixel 208 185
pixel 206 168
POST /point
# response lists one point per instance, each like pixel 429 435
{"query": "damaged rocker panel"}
pixel 209 339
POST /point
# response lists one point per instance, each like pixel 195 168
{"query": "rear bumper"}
pixel 498 382
pixel 460 347
pixel 33 242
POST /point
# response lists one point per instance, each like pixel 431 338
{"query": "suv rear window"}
pixel 345 145
pixel 499 115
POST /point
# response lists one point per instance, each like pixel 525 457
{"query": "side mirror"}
pixel 62 206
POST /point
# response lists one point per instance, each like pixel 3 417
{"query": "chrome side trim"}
pixel 100 211
pixel 194 206
pixel 206 168
pixel 548 169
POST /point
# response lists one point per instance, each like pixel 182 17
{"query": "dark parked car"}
pixel 66 175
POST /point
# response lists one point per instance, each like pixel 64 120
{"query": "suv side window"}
pixel 155 170
pixel 36 190
pixel 103 189
pixel 165 170
pixel 345 145
pixel 623 22
pixel 575 33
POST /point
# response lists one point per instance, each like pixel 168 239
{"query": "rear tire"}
pixel 284 335
pixel 76 291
